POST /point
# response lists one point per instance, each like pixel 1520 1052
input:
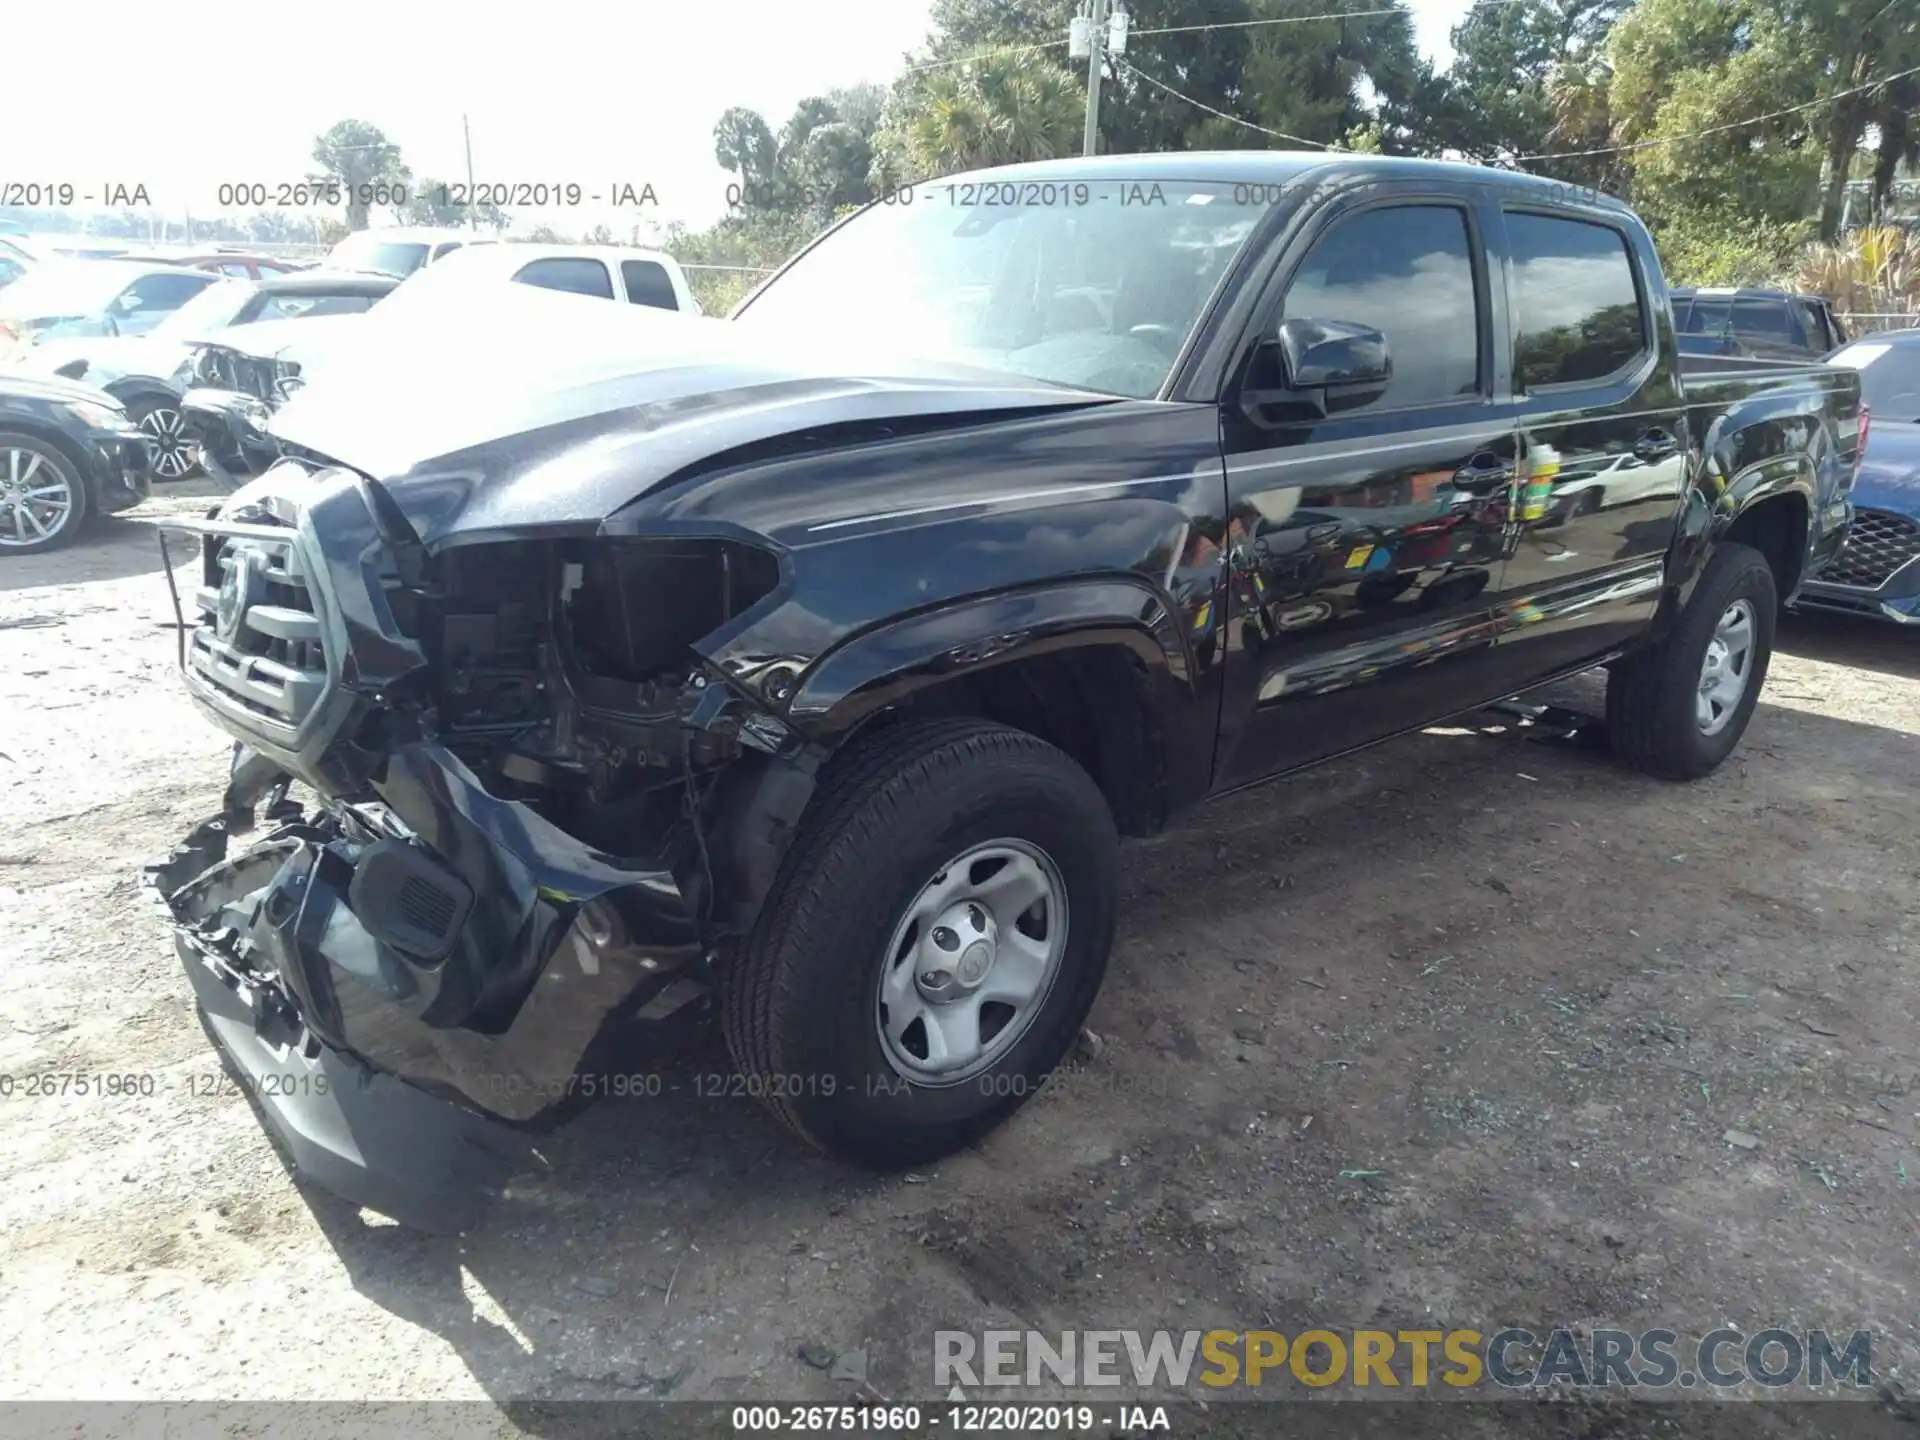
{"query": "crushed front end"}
pixel 515 759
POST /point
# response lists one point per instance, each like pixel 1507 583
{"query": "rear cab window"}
pixel 1578 313
pixel 648 283
pixel 578 276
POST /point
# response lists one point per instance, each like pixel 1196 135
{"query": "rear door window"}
pixel 1577 315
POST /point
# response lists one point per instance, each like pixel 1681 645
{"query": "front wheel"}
pixel 43 500
pixel 932 944
pixel 1677 710
pixel 171 448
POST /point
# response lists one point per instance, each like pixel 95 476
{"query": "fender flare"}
pixel 883 665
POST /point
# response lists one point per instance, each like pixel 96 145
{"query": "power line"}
pixel 1202 105
pixel 1305 19
pixel 1719 129
pixel 1196 29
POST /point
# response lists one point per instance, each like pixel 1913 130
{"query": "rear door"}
pixel 1602 436
pixel 1365 543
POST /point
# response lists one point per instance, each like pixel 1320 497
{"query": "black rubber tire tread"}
pixel 82 497
pixel 899 773
pixel 1650 694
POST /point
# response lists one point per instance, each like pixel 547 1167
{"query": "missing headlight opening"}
pixel 565 675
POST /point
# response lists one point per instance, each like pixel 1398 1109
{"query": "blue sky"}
pixel 566 91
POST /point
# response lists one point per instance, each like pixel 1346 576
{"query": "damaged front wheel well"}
pixel 1094 703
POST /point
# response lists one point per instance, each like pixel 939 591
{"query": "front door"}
pixel 1365 544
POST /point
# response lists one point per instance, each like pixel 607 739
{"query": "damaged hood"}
pixel 302 341
pixel 534 408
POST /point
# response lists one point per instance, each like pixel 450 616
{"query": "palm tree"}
pixel 1005 106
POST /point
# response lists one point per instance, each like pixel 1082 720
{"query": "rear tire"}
pixel 1674 710
pixel 820 1005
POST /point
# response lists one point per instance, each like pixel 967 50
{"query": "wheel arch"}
pixel 1098 667
pixel 70 449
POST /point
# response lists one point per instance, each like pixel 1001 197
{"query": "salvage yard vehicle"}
pixel 1877 572
pixel 607 272
pixel 818 658
pixel 231 413
pixel 67 453
pixel 151 373
pixel 66 298
pixel 401 250
pixel 1761 324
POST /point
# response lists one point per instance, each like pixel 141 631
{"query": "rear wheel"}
pixel 1678 709
pixel 933 943
pixel 43 501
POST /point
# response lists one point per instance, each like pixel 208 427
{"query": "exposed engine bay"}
pixel 562 674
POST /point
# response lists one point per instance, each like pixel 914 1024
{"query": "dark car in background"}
pixel 1877 572
pixel 150 373
pixel 1758 324
pixel 68 299
pixel 67 453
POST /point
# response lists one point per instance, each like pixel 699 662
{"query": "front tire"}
pixel 43 500
pixel 172 452
pixel 932 945
pixel 1678 709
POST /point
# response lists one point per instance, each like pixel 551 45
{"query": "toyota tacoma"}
pixel 817 659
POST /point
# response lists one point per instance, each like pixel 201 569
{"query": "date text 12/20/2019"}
pixel 111 1087
pixel 954 1419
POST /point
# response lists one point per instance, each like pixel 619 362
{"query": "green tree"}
pixel 434 202
pixel 744 146
pixel 358 155
pixel 1780 84
pixel 1004 106
pixel 1500 90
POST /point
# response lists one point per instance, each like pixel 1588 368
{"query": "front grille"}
pixel 227 369
pixel 1878 544
pixel 258 644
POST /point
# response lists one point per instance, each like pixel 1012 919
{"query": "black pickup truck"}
pixel 818 658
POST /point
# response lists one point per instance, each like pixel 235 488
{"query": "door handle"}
pixel 1655 445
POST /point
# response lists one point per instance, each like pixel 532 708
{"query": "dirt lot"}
pixel 1448 1035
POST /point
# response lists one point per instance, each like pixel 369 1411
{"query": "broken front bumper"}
pixel 286 943
pixel 449 963
pixel 344 1126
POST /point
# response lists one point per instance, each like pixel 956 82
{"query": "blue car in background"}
pixel 1877 572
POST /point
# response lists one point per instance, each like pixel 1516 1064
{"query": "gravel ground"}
pixel 1446 1035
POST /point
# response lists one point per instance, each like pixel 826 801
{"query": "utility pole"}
pixel 1098 30
pixel 473 219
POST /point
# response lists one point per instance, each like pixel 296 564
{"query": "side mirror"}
pixel 1322 366
pixel 1322 354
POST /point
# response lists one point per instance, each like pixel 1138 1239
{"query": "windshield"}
pixel 212 309
pixel 1094 284
pixel 64 287
pixel 369 252
pixel 1889 377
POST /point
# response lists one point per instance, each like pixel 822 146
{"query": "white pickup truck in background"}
pixel 245 377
